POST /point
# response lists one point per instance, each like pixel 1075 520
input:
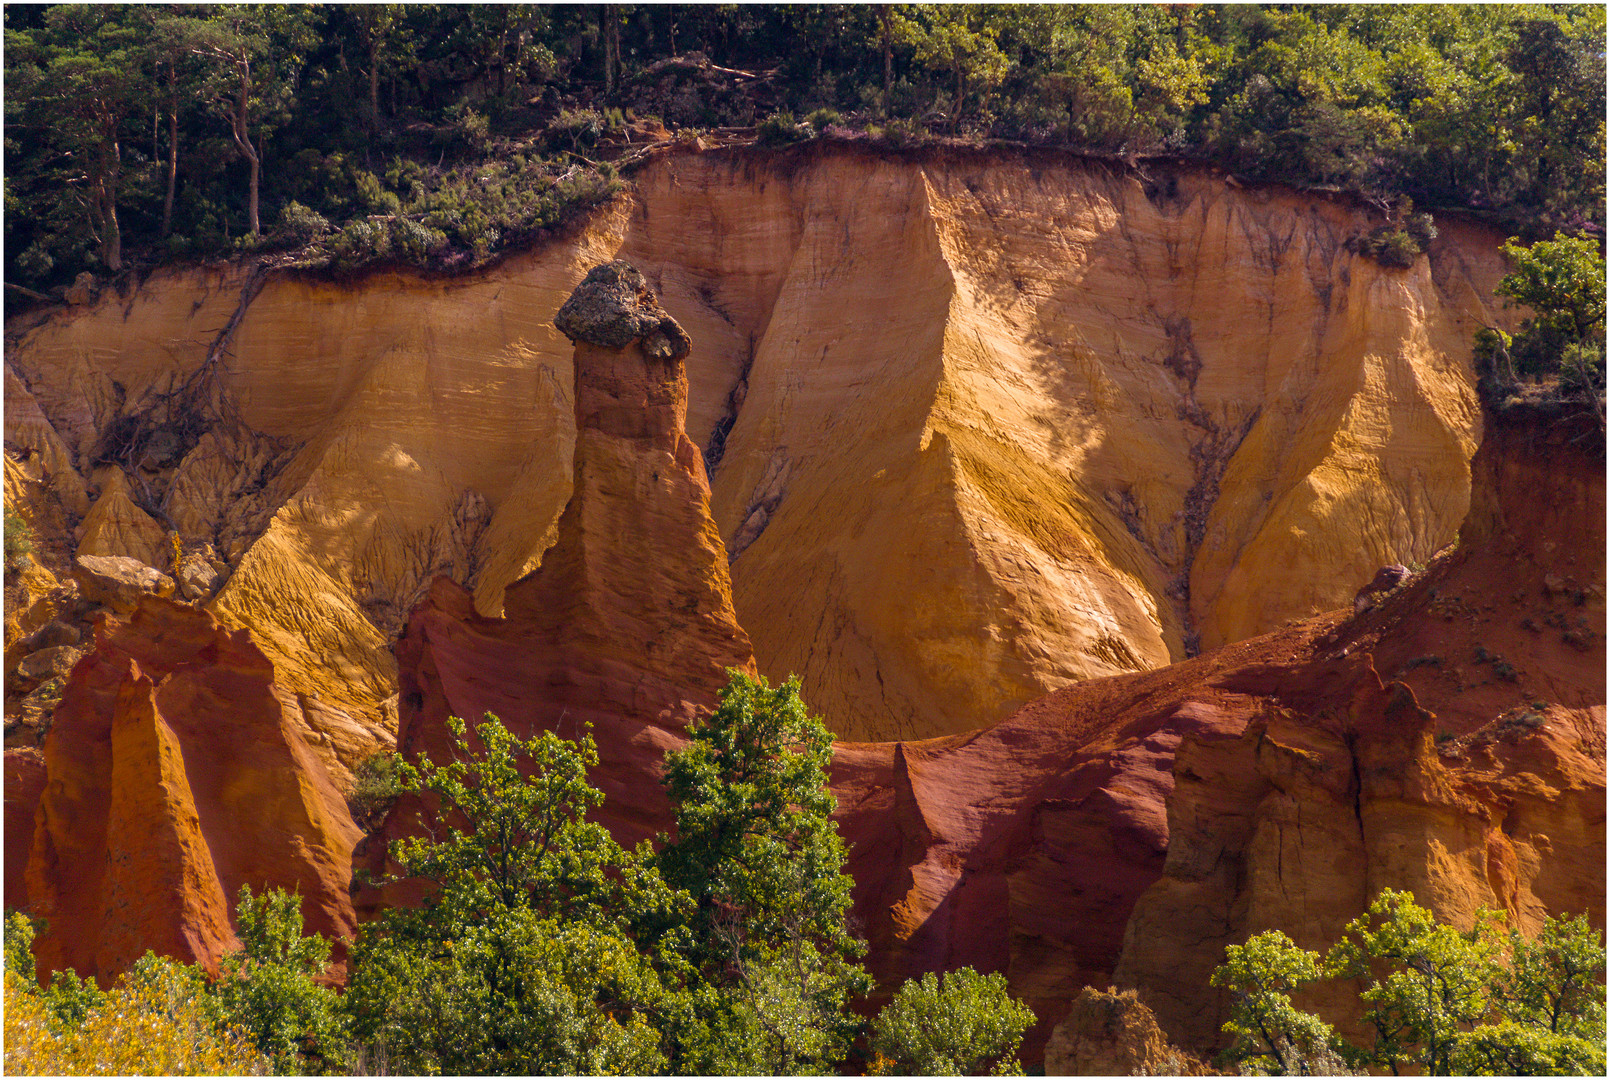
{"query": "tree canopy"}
pixel 1436 999
pixel 136 134
pixel 540 946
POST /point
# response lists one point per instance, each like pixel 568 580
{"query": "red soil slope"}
pixel 174 778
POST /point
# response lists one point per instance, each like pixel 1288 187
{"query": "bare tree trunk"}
pixel 106 197
pixel 173 150
pixel 888 54
pixel 238 123
pixel 503 40
pixel 374 83
pixel 612 49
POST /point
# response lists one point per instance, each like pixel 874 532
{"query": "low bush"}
pixel 821 119
pixel 19 538
pixel 779 129
pixel 960 1024
pixel 299 225
pixel 376 784
pixel 1390 247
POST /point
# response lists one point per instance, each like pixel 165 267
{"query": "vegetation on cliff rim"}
pixel 541 946
pixel 1439 1000
pixel 439 135
pixel 1561 345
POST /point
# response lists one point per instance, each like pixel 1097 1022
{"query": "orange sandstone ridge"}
pixel 886 538
pixel 172 778
pixel 1450 741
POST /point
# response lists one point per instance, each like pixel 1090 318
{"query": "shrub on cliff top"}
pixel 1562 282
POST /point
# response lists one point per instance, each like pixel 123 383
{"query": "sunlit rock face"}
pixel 627 629
pixel 1449 740
pixel 173 776
pixel 976 426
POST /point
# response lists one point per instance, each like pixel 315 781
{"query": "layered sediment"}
pixel 999 424
pixel 1104 452
pixel 1449 741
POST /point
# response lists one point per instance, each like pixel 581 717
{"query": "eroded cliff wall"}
pixel 1450 741
pixel 976 429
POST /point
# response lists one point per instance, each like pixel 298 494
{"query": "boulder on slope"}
pixel 118 581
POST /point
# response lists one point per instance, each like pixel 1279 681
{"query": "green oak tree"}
pixel 756 849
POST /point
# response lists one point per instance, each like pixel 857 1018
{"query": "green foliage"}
pixel 1556 980
pixel 1270 1036
pixel 70 999
pixel 1495 370
pixel 140 134
pixel 19 538
pixel 1439 1000
pixel 779 129
pixel 1562 282
pixel 299 226
pixel 961 1024
pixel 962 41
pixel 158 1019
pixel 581 129
pixel 66 1000
pixel 821 119
pixel 1582 370
pixel 1437 982
pixel 267 988
pixel 1390 247
pixel 19 943
pixel 514 993
pixel 519 960
pixel 540 946
pixel 756 848
pixel 376 784
pixel 1551 1008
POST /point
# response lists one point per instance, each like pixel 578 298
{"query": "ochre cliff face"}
pixel 627 627
pixel 983 440
pixel 172 777
pixel 1003 429
pixel 1450 741
pixel 978 429
pixel 358 442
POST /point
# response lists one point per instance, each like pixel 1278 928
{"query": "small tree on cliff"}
pixel 1562 281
